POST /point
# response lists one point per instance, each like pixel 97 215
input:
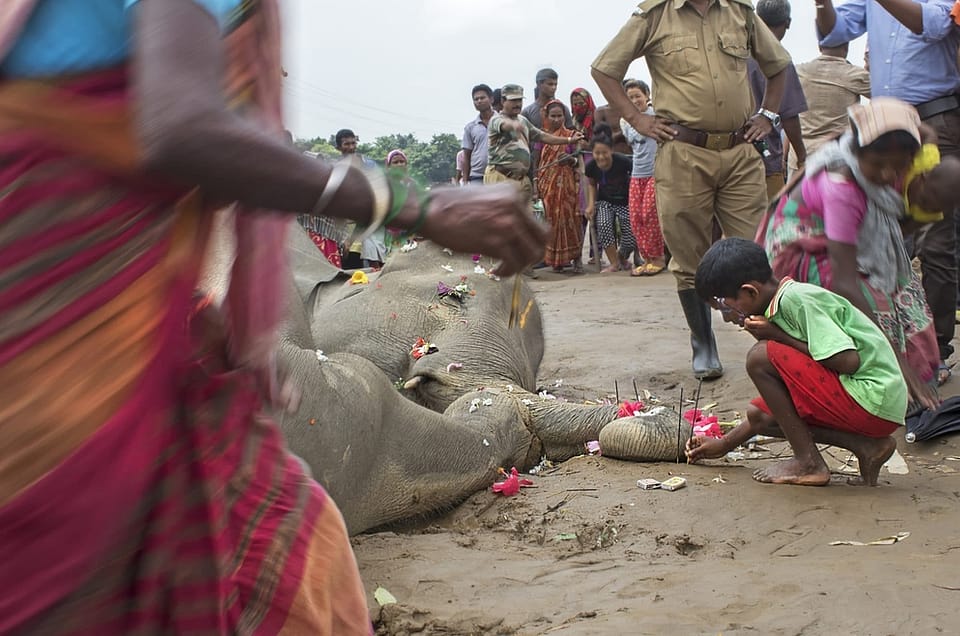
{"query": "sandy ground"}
pixel 587 552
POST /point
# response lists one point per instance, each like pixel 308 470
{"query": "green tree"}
pixel 318 145
pixel 431 163
pixel 435 162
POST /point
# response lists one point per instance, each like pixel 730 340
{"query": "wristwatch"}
pixel 772 116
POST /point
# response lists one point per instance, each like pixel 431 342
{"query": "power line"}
pixel 329 95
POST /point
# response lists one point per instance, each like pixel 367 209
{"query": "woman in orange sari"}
pixel 143 486
pixel 559 185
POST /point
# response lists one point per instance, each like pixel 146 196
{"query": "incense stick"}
pixel 635 389
pixel 696 406
pixel 679 424
pixel 616 389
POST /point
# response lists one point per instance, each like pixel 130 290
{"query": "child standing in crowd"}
pixel 643 202
pixel 608 173
pixel 825 372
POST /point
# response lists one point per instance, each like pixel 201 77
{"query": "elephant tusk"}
pixel 413 382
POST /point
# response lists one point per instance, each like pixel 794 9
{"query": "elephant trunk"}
pixel 564 428
pixel 656 435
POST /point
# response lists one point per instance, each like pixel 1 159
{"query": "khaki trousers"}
pixel 694 185
pixel 775 183
pixel 492 176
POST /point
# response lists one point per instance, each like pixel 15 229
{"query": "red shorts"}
pixel 819 397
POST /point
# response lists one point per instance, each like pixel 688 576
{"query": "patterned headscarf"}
pixel 881 116
pixel 583 113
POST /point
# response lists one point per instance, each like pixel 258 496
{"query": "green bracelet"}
pixel 400 192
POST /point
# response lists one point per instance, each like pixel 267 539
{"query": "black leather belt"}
pixel 936 106
pixel 510 174
pixel 708 140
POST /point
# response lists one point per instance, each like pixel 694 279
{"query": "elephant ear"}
pixel 308 264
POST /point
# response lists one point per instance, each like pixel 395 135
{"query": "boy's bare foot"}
pixel 871 456
pixel 794 471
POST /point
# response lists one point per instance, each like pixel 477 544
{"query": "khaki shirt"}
pixel 831 84
pixel 698 64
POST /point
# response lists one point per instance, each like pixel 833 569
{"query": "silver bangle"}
pixel 337 176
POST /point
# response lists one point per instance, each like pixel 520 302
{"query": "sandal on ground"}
pixel 610 269
pixel 944 372
pixel 647 269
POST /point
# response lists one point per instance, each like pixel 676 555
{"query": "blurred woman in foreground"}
pixel 144 488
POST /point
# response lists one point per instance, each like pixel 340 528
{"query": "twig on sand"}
pixel 567 622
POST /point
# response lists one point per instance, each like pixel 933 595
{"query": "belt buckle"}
pixel 717 141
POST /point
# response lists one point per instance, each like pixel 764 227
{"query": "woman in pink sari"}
pixel 839 227
pixel 143 487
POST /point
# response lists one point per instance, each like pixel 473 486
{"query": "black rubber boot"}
pixel 706 360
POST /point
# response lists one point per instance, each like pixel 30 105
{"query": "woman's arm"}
pixel 187 132
pixel 591 197
pixel 556 140
pixel 846 282
pixel 846 278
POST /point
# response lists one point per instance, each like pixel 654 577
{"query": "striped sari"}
pixel 559 186
pixel 143 487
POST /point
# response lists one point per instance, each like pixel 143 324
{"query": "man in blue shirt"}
pixel 913 56
pixel 475 134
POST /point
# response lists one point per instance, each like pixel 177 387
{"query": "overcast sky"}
pixel 382 66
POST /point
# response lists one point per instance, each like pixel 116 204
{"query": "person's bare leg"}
pixel 807 467
pixel 613 257
pixel 872 452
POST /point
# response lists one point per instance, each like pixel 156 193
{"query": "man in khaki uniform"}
pixel 706 166
pixel 510 134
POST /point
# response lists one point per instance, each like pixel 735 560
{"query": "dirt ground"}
pixel 587 552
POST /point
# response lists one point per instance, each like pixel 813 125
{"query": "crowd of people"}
pixel 144 487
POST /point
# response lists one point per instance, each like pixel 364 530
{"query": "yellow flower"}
pixel 359 278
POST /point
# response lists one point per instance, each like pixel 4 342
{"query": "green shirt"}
pixel 510 149
pixel 829 324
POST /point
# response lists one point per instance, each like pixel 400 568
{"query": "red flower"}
pixel 628 408
pixel 512 484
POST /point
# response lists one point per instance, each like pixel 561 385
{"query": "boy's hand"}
pixel 704 448
pixel 761 328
